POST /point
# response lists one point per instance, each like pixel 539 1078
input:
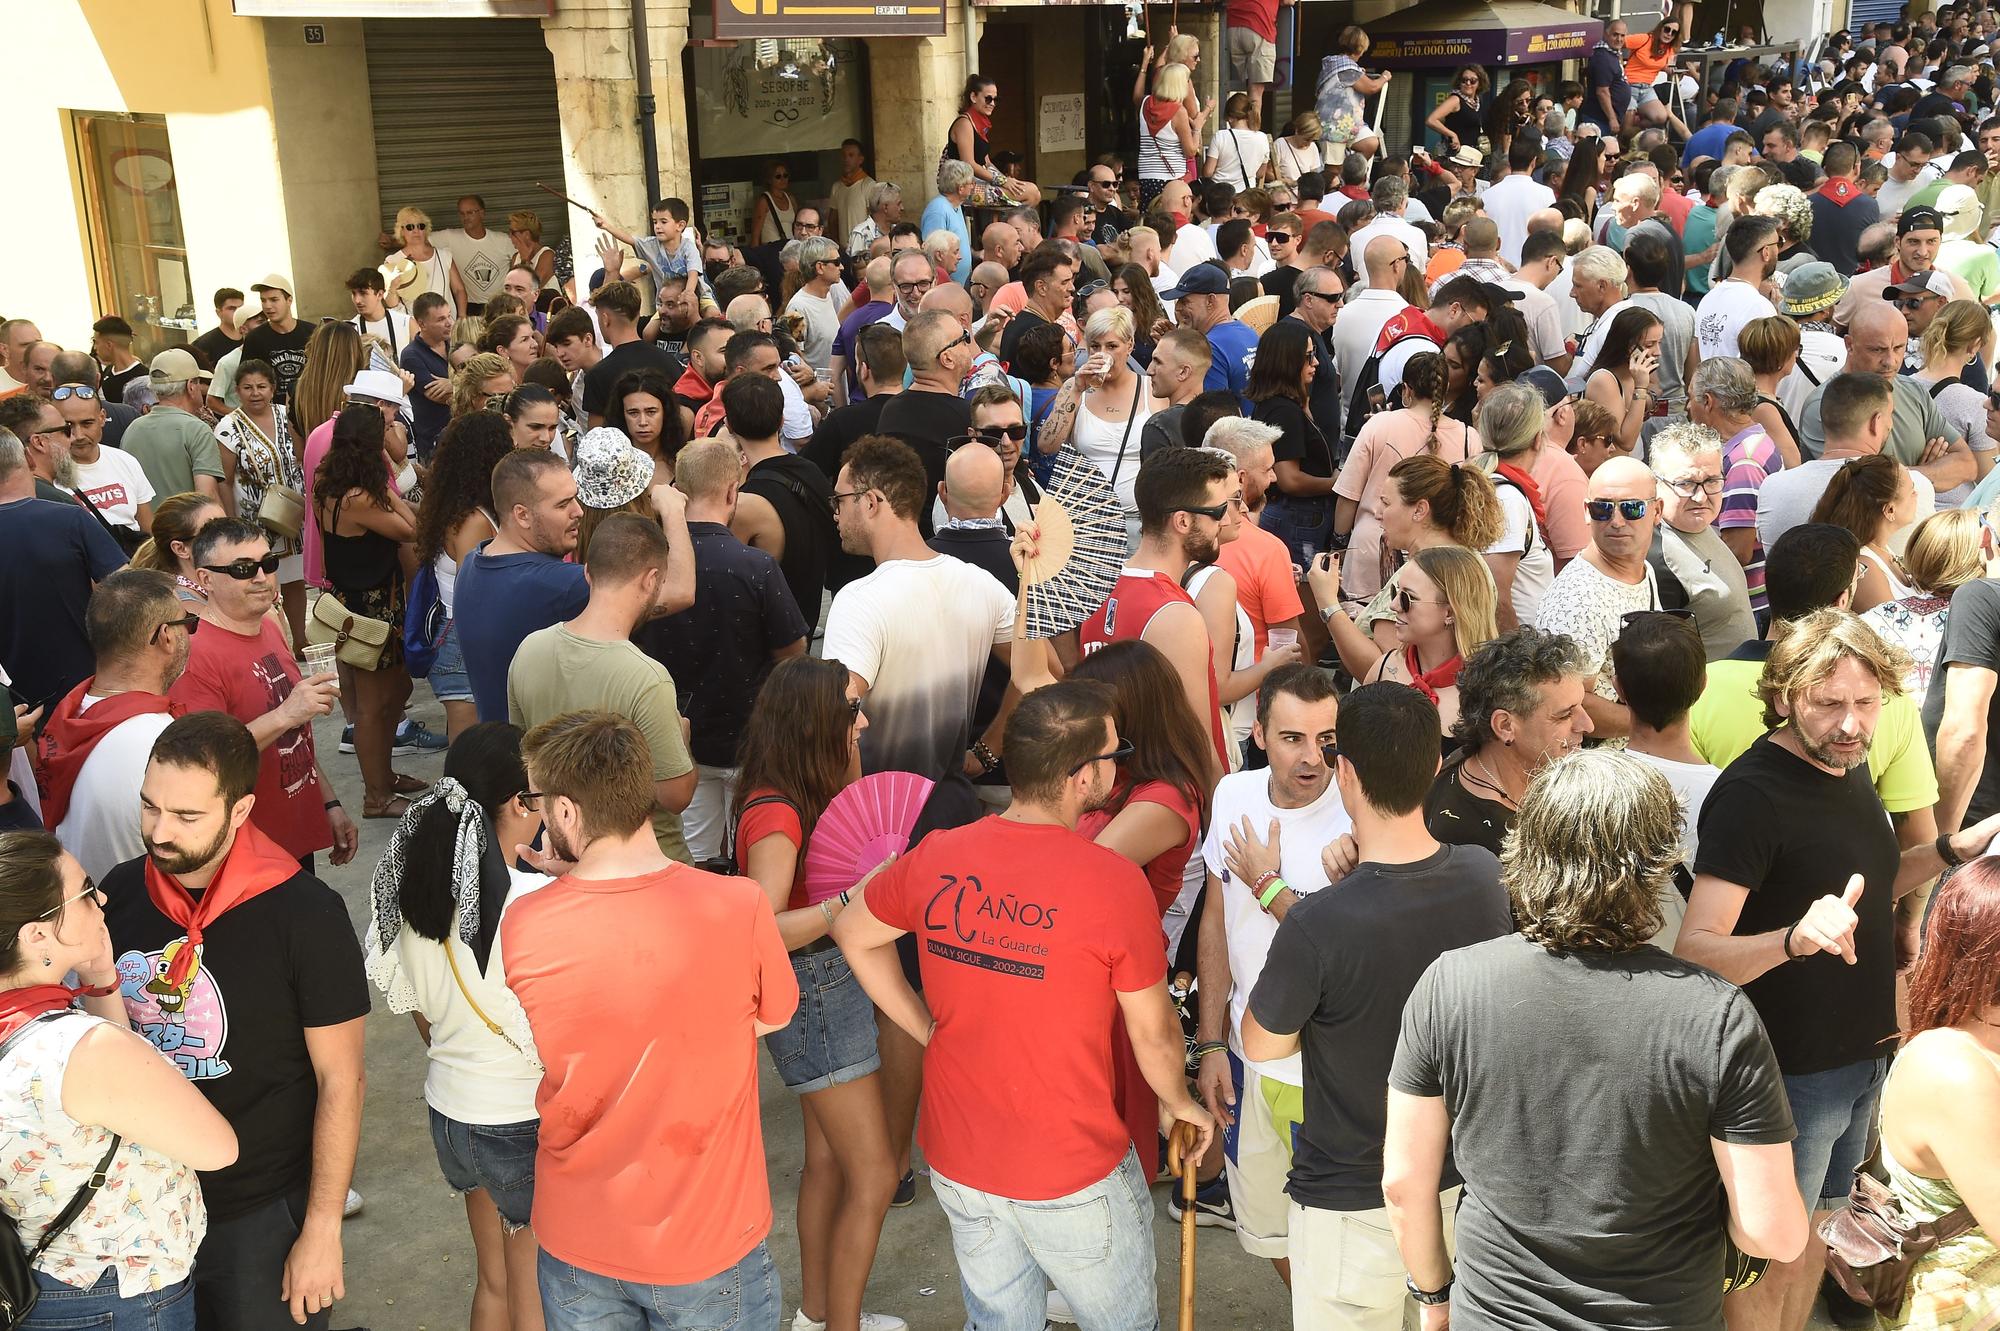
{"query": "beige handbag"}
pixel 283 510
pixel 358 640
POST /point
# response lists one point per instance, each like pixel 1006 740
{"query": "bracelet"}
pixel 332 804
pixel 987 758
pixel 1950 857
pixel 826 912
pixel 1207 1047
pixel 1264 878
pixel 1270 893
pixel 1786 943
pixel 843 900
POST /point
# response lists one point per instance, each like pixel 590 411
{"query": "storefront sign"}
pixel 819 18
pixel 1503 32
pixel 768 98
pixel 1061 124
pixel 393 8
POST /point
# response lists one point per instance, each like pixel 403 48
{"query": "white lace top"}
pixel 147 1219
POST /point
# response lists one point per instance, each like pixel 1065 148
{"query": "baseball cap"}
pixel 273 282
pixel 174 366
pixel 1546 382
pixel 1202 279
pixel 1932 283
pixel 379 385
pixel 1918 219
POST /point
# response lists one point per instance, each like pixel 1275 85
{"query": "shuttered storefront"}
pixel 465 106
pixel 1871 12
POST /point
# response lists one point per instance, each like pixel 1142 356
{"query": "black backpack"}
pixel 1369 397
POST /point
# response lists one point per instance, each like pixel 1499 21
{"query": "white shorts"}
pixel 292 568
pixel 1346 1272
pixel 1258 1157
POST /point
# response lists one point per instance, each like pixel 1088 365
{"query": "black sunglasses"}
pixel 416 226
pixel 1117 755
pixel 854 706
pixel 1630 509
pixel 189 621
pixel 1278 237
pixel 1216 511
pixel 245 569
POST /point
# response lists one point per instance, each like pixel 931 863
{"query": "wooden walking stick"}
pixel 1182 1160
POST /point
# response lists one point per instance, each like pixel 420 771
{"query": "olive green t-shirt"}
pixel 173 448
pixel 556 671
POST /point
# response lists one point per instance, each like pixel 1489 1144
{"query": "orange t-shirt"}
pixel 1642 66
pixel 1262 567
pixel 642 994
pixel 1444 259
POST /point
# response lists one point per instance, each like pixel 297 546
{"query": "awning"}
pixel 1479 32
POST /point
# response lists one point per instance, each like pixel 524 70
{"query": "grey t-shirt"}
pixel 1915 423
pixel 1585 1090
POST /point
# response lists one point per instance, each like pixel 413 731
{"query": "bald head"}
pixel 989 275
pixel 746 312
pixel 1622 478
pixel 1481 236
pixel 1545 219
pixel 1874 316
pixel 877 274
pixel 1381 258
pixel 1001 243
pixel 949 298
pixel 973 480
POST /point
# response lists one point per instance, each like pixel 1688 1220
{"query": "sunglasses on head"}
pixel 1631 617
pixel 64 392
pixel 1631 510
pixel 245 569
pixel 1091 288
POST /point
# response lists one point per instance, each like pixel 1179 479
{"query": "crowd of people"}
pixel 1544 721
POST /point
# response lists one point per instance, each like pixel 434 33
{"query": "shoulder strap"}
pixel 1941 385
pixel 1126 438
pixel 1241 169
pixel 477 1011
pixel 729 849
pixel 97 1175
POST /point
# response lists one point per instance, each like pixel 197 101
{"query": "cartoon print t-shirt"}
pixel 1026 933
pixel 282 961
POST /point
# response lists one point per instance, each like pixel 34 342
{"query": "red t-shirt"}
pixel 1260 16
pixel 1135 598
pixel 1026 935
pixel 642 994
pixel 246 675
pixel 1163 872
pixel 780 818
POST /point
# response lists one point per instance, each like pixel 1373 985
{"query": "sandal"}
pixel 409 785
pixel 396 807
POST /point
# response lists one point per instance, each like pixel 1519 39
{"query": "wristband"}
pixel 987 758
pixel 1207 1047
pixel 332 804
pixel 1270 893
pixel 1786 943
pixel 1946 853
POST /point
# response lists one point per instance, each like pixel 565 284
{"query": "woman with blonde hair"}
pixel 1511 420
pixel 1946 550
pixel 1296 150
pixel 170 548
pixel 1872 497
pixel 1102 410
pixel 421 266
pixel 1959 333
pixel 524 228
pixel 1444 612
pixel 1169 134
pixel 334 355
pixel 1770 347
pixel 480 384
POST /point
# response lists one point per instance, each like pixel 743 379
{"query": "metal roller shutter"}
pixel 1872 12
pixel 465 106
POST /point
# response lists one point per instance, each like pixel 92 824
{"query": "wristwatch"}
pixel 1430 1299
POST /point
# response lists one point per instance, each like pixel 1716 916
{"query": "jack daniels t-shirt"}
pixel 1027 933
pixel 282 961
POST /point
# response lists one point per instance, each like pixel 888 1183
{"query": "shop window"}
pixel 138 254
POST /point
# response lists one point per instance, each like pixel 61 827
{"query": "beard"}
pixel 175 860
pixel 1200 548
pixel 1827 756
pixel 560 844
pixel 65 470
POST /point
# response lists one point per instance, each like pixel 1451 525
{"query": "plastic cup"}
pixel 320 657
pixel 1279 639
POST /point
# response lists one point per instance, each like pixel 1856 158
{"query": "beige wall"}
pixel 914 84
pixel 326 152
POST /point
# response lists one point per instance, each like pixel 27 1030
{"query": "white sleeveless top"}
pixel 1098 442
pixel 147 1219
pixel 1238 716
pixel 1160 155
pixel 1898 589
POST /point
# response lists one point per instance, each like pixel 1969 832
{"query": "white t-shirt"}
pixel 1788 498
pixel 1822 354
pixel 1361 321
pixel 116 484
pixel 481 263
pixel 101 826
pixel 1238 155
pixel 1535 569
pixel 1413 240
pixel 394 328
pixel 1191 246
pixel 1723 312
pixel 822 325
pixel 1691 782
pixel 1545 324
pixel 923 668
pixel 1510 202
pixel 1303 833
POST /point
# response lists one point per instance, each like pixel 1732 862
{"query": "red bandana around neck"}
pixel 1531 488
pixel 20 1006
pixel 255 864
pixel 1428 682
pixel 1841 191
pixel 1158 111
pixel 982 124
pixel 72 733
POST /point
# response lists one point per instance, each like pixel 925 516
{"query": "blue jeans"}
pixel 497 1157
pixel 1304 524
pixel 1094 1246
pixel 746 1297
pixel 1833 1111
pixel 830 1040
pixel 99 1308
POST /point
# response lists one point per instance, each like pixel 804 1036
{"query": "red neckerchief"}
pixel 1409 321
pixel 1428 682
pixel 255 864
pixel 691 385
pixel 982 124
pixel 1841 191
pixel 20 1006
pixel 72 733
pixel 1531 488
pixel 1180 220
pixel 1158 111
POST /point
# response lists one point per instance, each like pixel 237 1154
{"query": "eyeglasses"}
pixel 854 706
pixel 1278 237
pixel 245 569
pixel 1694 485
pixel 805 226
pixel 915 288
pixel 839 495
pixel 64 392
pixel 1631 510
pixel 531 800
pixel 416 226
pixel 1216 511
pixel 1117 755
pixel 190 622
pixel 91 889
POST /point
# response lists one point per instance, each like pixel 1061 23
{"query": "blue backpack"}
pixel 424 622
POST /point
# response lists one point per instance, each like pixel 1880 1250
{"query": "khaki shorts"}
pixel 1258 1158
pixel 1251 58
pixel 1346 1272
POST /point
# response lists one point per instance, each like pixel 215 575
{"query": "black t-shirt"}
pixel 1279 282
pixel 1017 328
pixel 212 346
pixel 281 962
pixel 600 378
pixel 1585 1090
pixel 1457 817
pixel 1112 223
pixel 987 548
pixel 1971 638
pixel 1342 964
pixel 1933 104
pixel 924 420
pixel 286 352
pixel 842 426
pixel 113 381
pixel 1301 442
pixel 1837 228
pixel 803 498
pixel 1790 833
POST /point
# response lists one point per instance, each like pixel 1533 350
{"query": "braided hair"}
pixel 1425 376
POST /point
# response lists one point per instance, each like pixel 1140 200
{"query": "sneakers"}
pixel 352 1207
pixel 906 1190
pixel 869 1322
pixel 347 739
pixel 1211 1206
pixel 1059 1309
pixel 413 737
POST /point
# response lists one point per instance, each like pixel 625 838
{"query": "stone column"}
pixel 914 83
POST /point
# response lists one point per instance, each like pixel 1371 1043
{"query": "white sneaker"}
pixel 1059 1309
pixel 353 1205
pixel 869 1322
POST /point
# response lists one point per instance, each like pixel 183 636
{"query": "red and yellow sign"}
pixel 826 18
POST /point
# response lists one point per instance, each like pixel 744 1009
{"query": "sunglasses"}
pixel 1216 511
pixel 245 569
pixel 1104 180
pixel 1631 510
pixel 1117 755
pixel 1089 289
pixel 416 226
pixel 1404 601
pixel 90 889
pixel 65 392
pixel 1278 237
pixel 190 622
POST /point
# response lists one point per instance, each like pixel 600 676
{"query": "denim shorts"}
pixel 497 1157
pixel 100 1308
pixel 448 679
pixel 831 1038
pixel 1305 525
pixel 1834 1112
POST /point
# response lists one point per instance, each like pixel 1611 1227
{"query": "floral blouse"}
pixel 262 462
